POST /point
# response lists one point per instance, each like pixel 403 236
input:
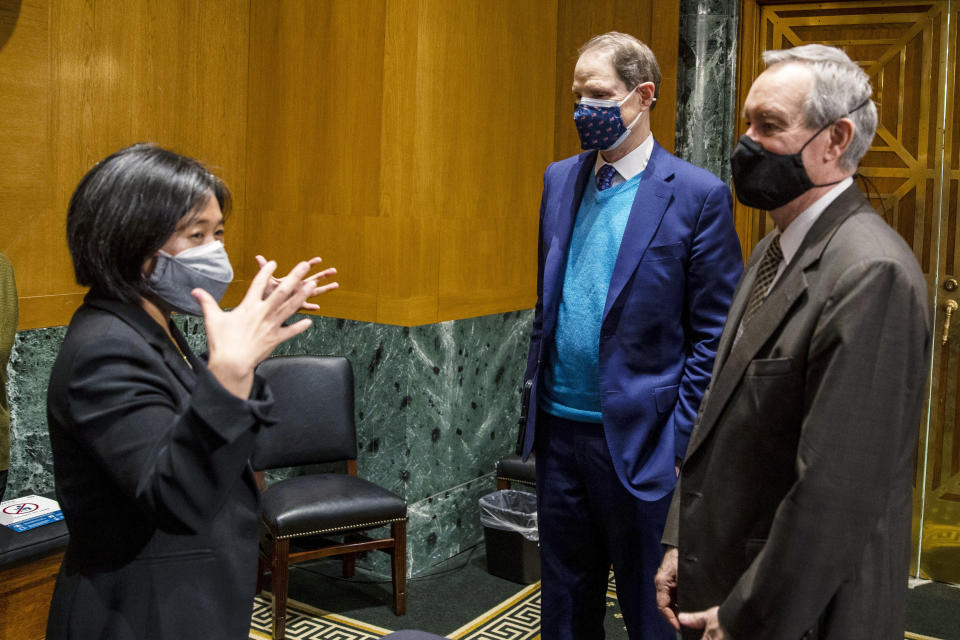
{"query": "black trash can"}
pixel 509 520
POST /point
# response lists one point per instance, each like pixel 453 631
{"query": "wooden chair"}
pixel 512 469
pixel 314 410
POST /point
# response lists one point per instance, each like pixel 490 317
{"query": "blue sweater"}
pixel 571 386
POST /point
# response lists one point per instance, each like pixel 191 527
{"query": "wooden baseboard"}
pixel 25 593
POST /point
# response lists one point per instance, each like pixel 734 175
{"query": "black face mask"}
pixel 767 180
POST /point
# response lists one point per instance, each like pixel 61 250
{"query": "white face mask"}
pixel 597 102
pixel 174 277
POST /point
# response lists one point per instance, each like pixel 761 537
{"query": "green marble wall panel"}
pixel 465 399
pixel 706 83
pixel 31 464
pixel 446 524
pixel 436 407
pixel 438 527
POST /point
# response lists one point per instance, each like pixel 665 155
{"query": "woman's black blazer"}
pixel 152 474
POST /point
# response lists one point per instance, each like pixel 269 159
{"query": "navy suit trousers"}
pixel 588 520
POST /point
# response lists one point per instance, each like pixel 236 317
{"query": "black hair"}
pixel 126 208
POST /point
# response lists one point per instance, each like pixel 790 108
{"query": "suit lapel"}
pixel 185 366
pixel 558 228
pixel 728 374
pixel 653 195
pixel 729 370
pixel 739 303
pixel 153 333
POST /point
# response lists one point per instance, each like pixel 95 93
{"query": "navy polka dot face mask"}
pixel 600 124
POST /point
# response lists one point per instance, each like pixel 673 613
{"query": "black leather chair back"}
pixel 314 420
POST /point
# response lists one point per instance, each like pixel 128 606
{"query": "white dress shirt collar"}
pixel 792 237
pixel 631 164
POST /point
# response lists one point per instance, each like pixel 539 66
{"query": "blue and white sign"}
pixel 21 514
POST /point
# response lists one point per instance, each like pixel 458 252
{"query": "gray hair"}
pixel 633 61
pixel 839 87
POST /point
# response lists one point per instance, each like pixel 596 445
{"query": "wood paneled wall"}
pixel 655 23
pixel 79 80
pixel 404 141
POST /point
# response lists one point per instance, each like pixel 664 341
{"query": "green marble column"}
pixel 706 84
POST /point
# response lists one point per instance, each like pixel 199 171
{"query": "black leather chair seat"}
pixel 20 547
pixel 301 516
pixel 328 503
pixel 513 469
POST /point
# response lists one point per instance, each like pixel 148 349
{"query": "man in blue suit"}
pixel 638 260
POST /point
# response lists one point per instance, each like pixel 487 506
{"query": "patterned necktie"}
pixel 605 177
pixel 765 274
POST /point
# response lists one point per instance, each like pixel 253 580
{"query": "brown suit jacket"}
pixel 794 503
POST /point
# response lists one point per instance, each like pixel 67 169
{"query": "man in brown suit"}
pixel 792 515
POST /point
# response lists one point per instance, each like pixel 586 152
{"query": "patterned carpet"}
pixel 517 618
pixel 307 623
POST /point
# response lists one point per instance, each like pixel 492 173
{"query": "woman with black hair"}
pixel 150 443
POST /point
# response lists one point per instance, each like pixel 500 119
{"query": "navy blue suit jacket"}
pixel 672 283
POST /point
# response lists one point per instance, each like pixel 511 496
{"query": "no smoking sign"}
pixel 20 508
pixel 27 512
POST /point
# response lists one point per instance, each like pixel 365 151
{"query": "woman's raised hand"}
pixel 241 338
pixel 320 275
